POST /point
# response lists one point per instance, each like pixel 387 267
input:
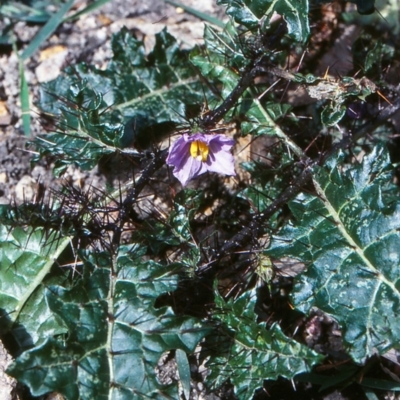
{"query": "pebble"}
pixel 5 117
pixel 3 177
pixel 52 61
pixel 25 189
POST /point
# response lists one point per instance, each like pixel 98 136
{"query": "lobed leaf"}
pixel 248 353
pixel 251 14
pixel 295 13
pixel 225 57
pixel 26 261
pixel 135 102
pixel 348 234
pixel 116 336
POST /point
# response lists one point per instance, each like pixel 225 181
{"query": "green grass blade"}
pixel 22 12
pixel 47 30
pixel 91 7
pixel 24 95
pixel 205 17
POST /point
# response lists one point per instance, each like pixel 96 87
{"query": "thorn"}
pixel 383 97
pixel 268 89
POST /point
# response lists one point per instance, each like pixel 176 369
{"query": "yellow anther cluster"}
pixel 199 150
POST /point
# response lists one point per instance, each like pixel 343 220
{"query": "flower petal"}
pixel 200 136
pixel 223 140
pixel 222 163
pixel 192 168
pixel 219 157
pixel 178 152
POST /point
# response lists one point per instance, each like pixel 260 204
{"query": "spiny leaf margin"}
pixel 349 235
pixel 247 353
pixel 251 13
pixel 116 335
pixel 27 259
pixel 101 112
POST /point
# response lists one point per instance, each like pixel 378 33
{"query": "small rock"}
pixel 87 22
pixel 25 32
pixel 51 52
pixel 3 177
pixel 104 20
pixel 53 60
pixel 5 117
pixel 25 189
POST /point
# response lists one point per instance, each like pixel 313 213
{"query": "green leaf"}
pixel 26 261
pixel 374 58
pixel 267 181
pixel 24 96
pixel 184 371
pixel 331 115
pixel 261 121
pixel 247 352
pixel 116 335
pixel 245 12
pixel 176 231
pixel 295 13
pixel 136 101
pixel 225 56
pixel 163 83
pixel 348 235
pixel 85 134
pixel 381 384
pixel 251 13
pixel 370 395
pixel 186 204
pixel 24 92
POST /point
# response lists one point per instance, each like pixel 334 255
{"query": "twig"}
pixel 155 164
pixel 253 70
pixel 254 228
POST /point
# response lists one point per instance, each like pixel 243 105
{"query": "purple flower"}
pixel 193 155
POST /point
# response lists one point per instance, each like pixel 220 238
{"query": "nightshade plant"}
pixel 285 272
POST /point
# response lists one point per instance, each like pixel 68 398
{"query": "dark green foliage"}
pixel 135 102
pixel 96 286
pixel 348 235
pixel 26 265
pixel 246 352
pixel 252 14
pixel 115 335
